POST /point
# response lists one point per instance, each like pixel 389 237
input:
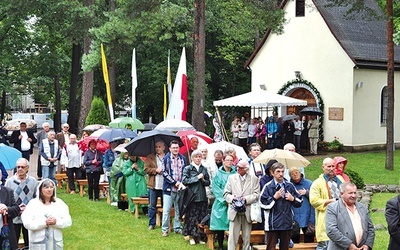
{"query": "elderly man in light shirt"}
pixel 71 160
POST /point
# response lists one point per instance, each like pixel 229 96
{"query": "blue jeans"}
pixel 322 245
pixel 168 201
pixel 49 172
pixel 153 195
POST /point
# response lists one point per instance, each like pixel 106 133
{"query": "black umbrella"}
pixel 5 233
pixel 311 111
pixel 149 126
pixel 186 196
pixel 144 144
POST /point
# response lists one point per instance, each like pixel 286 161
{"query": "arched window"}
pixel 384 105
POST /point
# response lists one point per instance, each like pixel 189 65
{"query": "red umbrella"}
pixel 186 135
pixel 102 145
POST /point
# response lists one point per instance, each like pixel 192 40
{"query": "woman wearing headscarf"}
pixel 340 165
pixel 93 161
pixel 44 217
pixel 196 178
pixel 135 181
pixel 219 214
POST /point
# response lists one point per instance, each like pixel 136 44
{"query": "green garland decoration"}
pixel 315 90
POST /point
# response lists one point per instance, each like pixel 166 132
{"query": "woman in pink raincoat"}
pixel 340 165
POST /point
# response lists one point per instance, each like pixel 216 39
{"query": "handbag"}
pixel 310 229
pixel 255 212
pixel 296 228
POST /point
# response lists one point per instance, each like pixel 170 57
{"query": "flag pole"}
pixel 134 83
pixel 107 82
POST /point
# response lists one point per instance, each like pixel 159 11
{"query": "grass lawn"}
pixel 97 225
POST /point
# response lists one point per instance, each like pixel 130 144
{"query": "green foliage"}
pixel 98 113
pixel 334 145
pixel 369 165
pixel 355 178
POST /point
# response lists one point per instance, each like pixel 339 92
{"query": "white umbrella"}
pixel 223 145
pixel 174 125
pixel 286 157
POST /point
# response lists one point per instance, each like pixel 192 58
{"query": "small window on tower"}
pixel 300 7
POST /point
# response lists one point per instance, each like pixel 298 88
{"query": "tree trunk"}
pixel 87 82
pixel 3 106
pixel 199 44
pixel 57 116
pixel 390 85
pixel 73 86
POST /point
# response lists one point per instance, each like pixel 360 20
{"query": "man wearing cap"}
pixel 247 187
pixel 323 191
pixel 23 140
pixel 277 198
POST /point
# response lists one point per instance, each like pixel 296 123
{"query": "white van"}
pixel 42 118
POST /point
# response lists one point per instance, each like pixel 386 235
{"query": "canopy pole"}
pixel 224 134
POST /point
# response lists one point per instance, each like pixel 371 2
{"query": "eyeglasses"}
pixel 21 167
pixel 330 166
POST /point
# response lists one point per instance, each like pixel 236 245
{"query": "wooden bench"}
pixel 210 235
pixel 60 178
pixel 159 215
pixel 257 237
pixel 82 183
pixel 137 201
pixel 297 246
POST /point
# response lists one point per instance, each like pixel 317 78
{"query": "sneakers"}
pixel 72 192
pixel 192 242
pixel 164 234
pixel 178 231
pixel 114 204
pixel 151 228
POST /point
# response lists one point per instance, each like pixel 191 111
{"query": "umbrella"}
pixel 149 126
pixel 14 125
pixel 121 122
pixel 207 115
pixel 5 233
pixel 186 197
pixel 223 145
pixel 288 117
pixel 94 127
pixel 311 111
pixel 174 125
pixel 121 148
pixel 144 144
pixel 9 156
pixel 116 134
pixel 187 135
pixel 286 157
pixel 102 145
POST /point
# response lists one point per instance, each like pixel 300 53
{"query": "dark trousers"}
pixel 307 238
pixel 153 196
pixel 93 183
pixel 17 230
pixel 273 236
pixel 39 168
pixel 73 174
pixel 243 144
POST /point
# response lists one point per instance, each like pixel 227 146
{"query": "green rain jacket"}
pixel 117 184
pixel 219 213
pixel 135 181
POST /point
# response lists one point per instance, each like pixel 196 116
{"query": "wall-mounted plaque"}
pixel 336 114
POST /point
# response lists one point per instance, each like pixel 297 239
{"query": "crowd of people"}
pixel 223 187
pixel 275 132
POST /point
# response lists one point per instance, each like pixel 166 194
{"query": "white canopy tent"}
pixel 260 101
pixel 260 98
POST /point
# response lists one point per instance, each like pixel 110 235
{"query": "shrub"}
pixel 98 113
pixel 334 145
pixel 355 178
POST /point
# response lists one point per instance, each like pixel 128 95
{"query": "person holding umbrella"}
pixel 313 134
pixel 92 162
